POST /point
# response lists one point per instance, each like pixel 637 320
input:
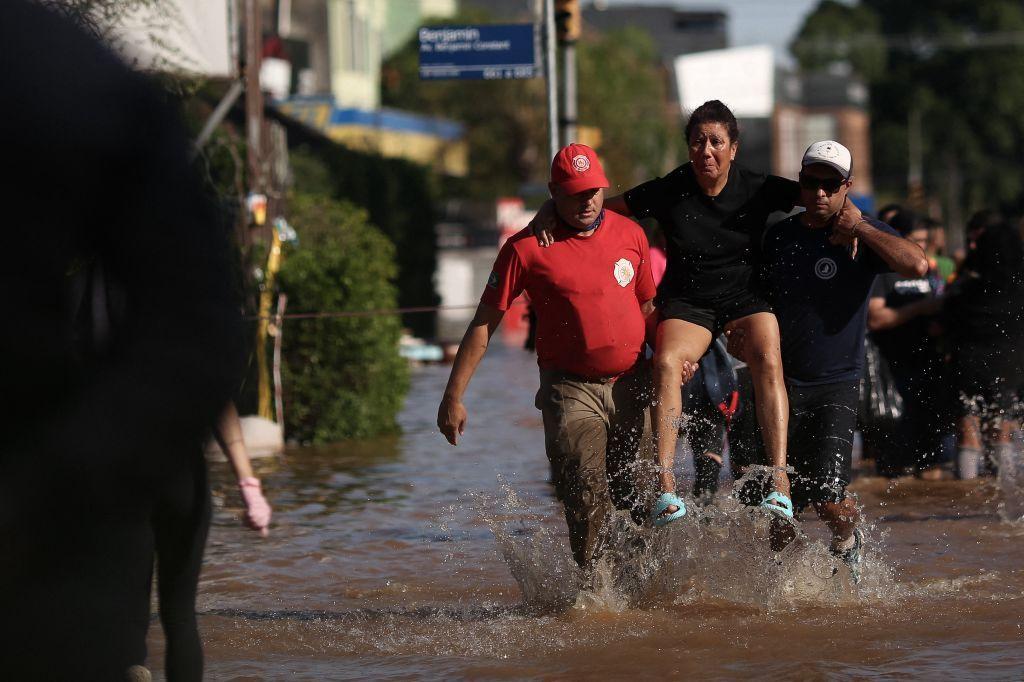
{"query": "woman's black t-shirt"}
pixel 713 242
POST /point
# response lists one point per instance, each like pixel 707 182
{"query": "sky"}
pixel 751 22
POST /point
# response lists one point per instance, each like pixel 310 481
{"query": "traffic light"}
pixel 567 20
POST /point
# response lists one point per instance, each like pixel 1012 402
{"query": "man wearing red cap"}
pixel 591 290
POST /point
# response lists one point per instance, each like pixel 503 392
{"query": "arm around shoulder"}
pixel 902 255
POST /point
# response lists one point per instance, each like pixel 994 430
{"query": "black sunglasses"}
pixel 830 185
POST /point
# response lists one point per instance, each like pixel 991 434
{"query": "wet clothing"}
pixel 984 326
pixel 95 428
pixel 595 385
pixel 713 242
pixel 822 418
pixel 714 317
pixel 586 292
pixel 598 443
pixel 820 296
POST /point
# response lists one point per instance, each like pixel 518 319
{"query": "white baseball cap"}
pixel 830 153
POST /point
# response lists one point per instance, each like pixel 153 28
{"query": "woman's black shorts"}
pixel 713 315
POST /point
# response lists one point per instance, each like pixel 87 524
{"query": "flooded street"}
pixel 383 564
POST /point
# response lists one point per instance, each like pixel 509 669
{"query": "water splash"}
pixel 719 552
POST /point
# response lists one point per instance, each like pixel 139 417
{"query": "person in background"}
pixel 940 266
pixel 229 436
pixel 901 317
pixel 975 227
pixel 985 325
pixel 592 291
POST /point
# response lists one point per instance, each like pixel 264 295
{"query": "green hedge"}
pixel 343 377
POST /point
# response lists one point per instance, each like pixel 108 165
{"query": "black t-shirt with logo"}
pixel 819 293
pixel 712 241
pixel 909 344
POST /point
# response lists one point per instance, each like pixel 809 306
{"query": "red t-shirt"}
pixel 586 292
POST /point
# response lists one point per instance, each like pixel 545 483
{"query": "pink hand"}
pixel 257 509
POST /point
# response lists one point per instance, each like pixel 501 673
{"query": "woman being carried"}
pixel 713 214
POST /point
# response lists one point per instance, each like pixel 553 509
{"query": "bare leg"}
pixel 679 342
pixel 969 432
pixel 968 456
pixel 763 355
pixel 840 517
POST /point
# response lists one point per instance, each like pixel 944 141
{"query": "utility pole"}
pixel 253 98
pixel 568 20
pixel 551 74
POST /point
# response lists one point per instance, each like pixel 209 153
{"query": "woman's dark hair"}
pixel 998 258
pixel 713 111
pixel 905 221
pixel 982 220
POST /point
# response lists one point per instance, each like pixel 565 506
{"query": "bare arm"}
pixel 228 433
pixel 881 316
pixel 650 314
pixel 451 413
pixel 902 255
pixel 229 436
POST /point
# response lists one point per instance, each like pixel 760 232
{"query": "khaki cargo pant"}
pixel 598 440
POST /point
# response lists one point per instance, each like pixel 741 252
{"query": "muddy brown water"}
pixel 406 559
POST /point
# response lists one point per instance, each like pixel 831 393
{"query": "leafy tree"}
pixel 835 33
pixel 960 64
pixel 623 92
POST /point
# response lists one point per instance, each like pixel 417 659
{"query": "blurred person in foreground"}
pixel 121 349
pixel 819 274
pixel 902 320
pixel 984 320
pixel 592 291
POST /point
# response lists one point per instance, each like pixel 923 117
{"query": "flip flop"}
pixel 779 504
pixel 664 502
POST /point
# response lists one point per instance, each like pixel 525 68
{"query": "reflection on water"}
pixel 407 558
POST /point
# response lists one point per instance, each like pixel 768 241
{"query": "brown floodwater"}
pixel 407 558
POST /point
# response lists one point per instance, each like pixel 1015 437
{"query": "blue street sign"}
pixel 487 51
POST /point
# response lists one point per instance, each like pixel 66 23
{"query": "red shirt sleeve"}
pixel 645 288
pixel 505 282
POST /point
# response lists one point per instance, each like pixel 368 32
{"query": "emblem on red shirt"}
pixel 581 163
pixel 623 272
pixel 493 280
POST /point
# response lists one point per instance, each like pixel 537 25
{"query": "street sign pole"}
pixel 551 74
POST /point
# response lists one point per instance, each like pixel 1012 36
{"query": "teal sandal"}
pixel 664 502
pixel 779 504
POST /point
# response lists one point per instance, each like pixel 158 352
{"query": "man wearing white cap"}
pixel 819 278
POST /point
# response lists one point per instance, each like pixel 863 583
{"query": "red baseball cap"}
pixel 576 168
